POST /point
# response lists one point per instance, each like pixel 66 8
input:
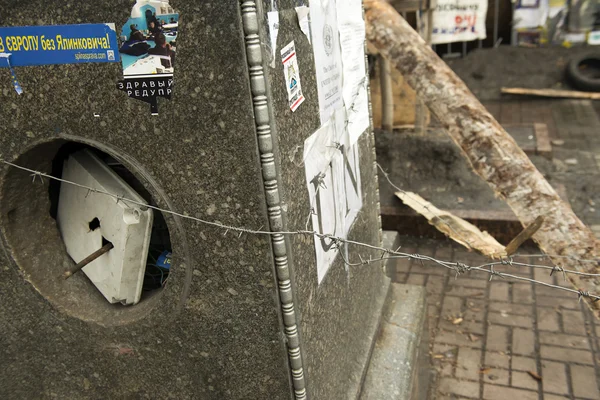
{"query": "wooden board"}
pixel 405 100
pixel 571 94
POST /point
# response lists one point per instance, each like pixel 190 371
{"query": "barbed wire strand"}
pixel 386 254
pixel 553 269
pixel 542 255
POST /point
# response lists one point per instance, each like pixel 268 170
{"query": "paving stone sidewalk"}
pixel 490 339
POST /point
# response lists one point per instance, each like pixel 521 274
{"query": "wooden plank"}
pixel 387 97
pixel 571 94
pixel 544 147
pixel 404 100
pixel 525 235
pixel 454 227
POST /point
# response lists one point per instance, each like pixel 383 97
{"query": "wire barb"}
pixel 507 261
pixel 36 175
pixel 557 268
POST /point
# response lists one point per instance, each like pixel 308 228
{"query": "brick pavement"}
pixel 487 336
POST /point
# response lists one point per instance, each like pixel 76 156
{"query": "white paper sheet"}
pixel 334 186
pixel 328 60
pixel 273 18
pixel 458 20
pixel 303 20
pixel 351 27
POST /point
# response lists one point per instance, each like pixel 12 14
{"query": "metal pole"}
pixel 496 12
pixel 81 264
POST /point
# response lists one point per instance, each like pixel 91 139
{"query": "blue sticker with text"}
pixel 164 260
pixel 58 44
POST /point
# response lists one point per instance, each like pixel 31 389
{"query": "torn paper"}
pixel 273 19
pixel 351 27
pixel 454 227
pixel 292 76
pixel 334 187
pixel 328 59
pixel 303 20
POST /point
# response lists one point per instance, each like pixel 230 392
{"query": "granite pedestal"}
pixel 240 317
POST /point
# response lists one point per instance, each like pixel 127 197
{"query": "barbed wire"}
pixel 458 268
pixel 572 258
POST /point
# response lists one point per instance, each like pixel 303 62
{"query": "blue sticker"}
pixel 164 260
pixel 59 44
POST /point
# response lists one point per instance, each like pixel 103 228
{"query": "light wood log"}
pixel 492 152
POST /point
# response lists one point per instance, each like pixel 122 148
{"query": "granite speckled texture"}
pixel 338 319
pixel 217 330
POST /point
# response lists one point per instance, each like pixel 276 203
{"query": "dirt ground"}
pixel 485 71
pixel 433 167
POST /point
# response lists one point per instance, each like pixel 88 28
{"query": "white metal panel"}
pixel 118 274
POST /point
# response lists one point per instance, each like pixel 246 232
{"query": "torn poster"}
pixel 273 18
pixel 459 20
pixel 351 27
pixel 5 58
pixel 148 51
pixel 303 20
pixel 328 59
pixel 334 187
pixel 351 191
pixel 292 76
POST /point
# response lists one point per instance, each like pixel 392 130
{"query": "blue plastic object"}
pixel 164 260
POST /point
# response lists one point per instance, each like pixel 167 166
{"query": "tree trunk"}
pixel 492 152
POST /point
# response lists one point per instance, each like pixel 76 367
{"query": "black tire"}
pixel 583 72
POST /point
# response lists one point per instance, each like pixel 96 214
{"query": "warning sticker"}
pixel 292 76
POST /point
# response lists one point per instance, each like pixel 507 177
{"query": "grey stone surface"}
pixel 338 318
pixel 398 367
pixel 391 240
pixel 217 329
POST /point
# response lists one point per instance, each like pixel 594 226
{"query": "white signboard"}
pixel 351 27
pixel 594 38
pixel 328 59
pixel 334 186
pixel 458 21
pixel 532 15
